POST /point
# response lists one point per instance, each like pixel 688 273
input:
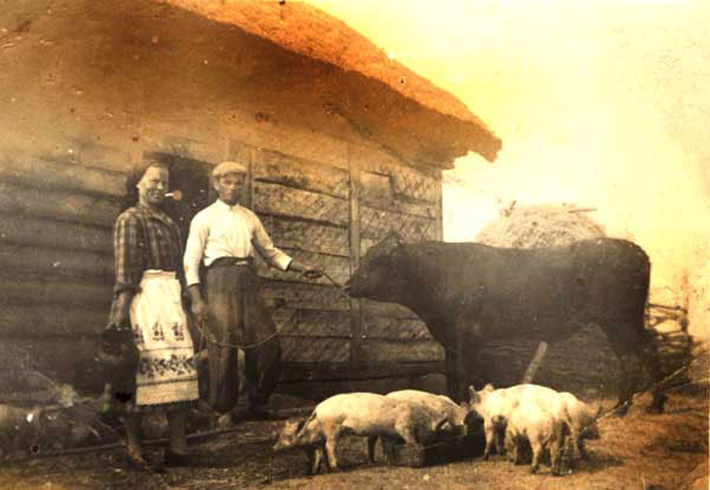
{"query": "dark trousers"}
pixel 239 316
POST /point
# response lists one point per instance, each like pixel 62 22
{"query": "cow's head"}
pixel 380 275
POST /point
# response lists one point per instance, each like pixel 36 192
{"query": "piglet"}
pixel 544 431
pixel 439 405
pixel 362 414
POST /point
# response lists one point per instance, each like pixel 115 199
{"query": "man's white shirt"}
pixel 221 230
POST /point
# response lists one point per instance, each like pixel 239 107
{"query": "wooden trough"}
pixel 451 449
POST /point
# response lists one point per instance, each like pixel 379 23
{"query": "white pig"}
pixel 582 421
pixel 496 405
pixel 440 404
pixel 542 428
pixel 362 414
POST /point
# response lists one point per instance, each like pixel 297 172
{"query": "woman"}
pixel 147 299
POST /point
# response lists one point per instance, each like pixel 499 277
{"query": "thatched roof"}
pixel 307 31
pixel 544 225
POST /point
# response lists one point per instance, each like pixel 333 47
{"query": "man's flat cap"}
pixel 228 168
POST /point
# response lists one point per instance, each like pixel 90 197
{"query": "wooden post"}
pixel 535 363
pixel 356 327
pixel 252 155
pixel 439 206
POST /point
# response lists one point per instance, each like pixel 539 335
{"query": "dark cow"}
pixel 468 294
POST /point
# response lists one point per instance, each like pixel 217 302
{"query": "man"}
pixel 147 299
pixel 225 236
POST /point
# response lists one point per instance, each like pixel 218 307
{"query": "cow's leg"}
pixel 653 365
pixel 453 383
pixel 635 350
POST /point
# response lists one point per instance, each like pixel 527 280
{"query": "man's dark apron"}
pixel 238 316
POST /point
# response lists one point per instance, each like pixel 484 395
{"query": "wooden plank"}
pixel 416 183
pixel 309 349
pixel 32 291
pixel 395 328
pixel 56 234
pixel 315 323
pixel 280 200
pixel 338 268
pixel 61 175
pixel 439 208
pixel 279 168
pixel 56 262
pixel 91 155
pixel 397 350
pixel 355 309
pixel 297 141
pixel 308 296
pixel 375 370
pixel 307 236
pixel 378 192
pixel 375 223
pixel 57 205
pixel 372 308
pixel 41 320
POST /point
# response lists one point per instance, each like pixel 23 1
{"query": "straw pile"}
pixel 545 225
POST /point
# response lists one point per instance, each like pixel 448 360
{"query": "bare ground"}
pixel 638 451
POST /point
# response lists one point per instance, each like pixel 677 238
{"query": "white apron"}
pixel 166 371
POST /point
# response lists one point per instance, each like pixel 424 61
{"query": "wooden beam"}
pixel 279 200
pixel 48 262
pixel 56 234
pixel 48 174
pixel 375 350
pixel 310 296
pixel 315 323
pixel 279 168
pixel 315 349
pixel 310 237
pixel 355 308
pixel 20 289
pixel 439 235
pixel 58 205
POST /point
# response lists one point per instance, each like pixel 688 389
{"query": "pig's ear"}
pixel 489 387
pixel 300 424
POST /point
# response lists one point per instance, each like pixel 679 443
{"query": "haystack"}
pixel 545 225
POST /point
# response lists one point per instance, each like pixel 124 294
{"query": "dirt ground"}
pixel 639 451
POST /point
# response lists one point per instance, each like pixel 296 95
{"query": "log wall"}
pixel 322 208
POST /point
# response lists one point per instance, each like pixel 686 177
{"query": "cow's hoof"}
pixel 656 405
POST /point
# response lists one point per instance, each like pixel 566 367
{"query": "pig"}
pixel 582 421
pixel 544 431
pixel 496 405
pixel 440 404
pixel 362 414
